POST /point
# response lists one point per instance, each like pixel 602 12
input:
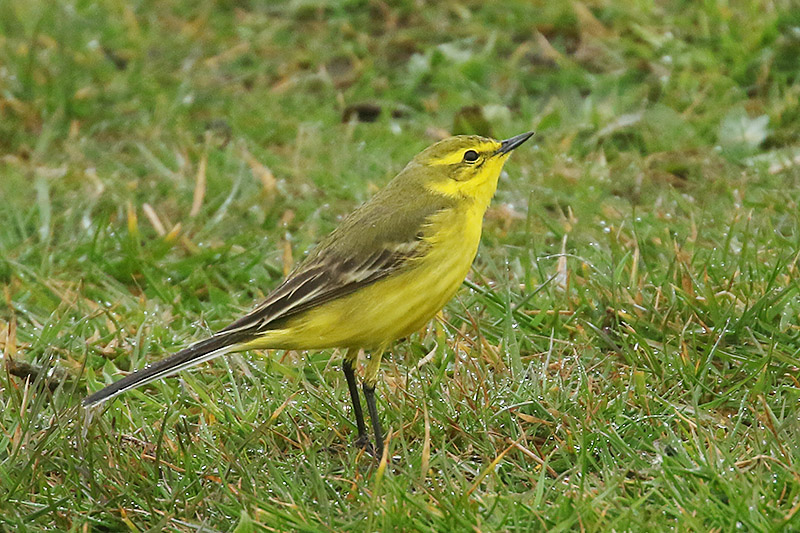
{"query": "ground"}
pixel 623 357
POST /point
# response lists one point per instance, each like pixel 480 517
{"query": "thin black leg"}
pixel 369 394
pixel 349 374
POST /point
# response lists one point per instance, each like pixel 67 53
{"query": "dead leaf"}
pixel 362 112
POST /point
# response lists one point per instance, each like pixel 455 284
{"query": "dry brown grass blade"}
pixel 199 187
pixel 492 466
pixel 261 172
pixel 426 444
pixel 152 216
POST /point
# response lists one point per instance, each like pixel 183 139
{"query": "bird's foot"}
pixel 365 444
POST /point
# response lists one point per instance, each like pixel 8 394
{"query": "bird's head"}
pixel 466 166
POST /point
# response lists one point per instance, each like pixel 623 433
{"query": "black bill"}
pixel 509 144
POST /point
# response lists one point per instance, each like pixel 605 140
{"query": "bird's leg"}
pixel 369 394
pixel 348 366
pixel 370 380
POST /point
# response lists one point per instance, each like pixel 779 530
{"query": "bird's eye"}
pixel 470 156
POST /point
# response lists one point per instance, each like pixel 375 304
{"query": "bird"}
pixel 381 275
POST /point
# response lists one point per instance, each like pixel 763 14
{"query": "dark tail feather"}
pixel 193 355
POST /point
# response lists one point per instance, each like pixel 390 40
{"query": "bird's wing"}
pixel 369 245
pixel 322 279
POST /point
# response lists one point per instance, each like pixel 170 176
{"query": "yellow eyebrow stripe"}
pixel 457 157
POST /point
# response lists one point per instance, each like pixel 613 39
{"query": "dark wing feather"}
pixel 322 280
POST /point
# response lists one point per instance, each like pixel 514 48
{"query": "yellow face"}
pixel 467 167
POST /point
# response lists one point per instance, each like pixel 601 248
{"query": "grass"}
pixel 624 356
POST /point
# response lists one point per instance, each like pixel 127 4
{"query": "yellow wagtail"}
pixel 387 269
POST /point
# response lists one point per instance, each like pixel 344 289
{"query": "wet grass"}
pixel 624 355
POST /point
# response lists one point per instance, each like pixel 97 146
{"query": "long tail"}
pixel 193 355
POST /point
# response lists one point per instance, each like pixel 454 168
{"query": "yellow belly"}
pixel 394 307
